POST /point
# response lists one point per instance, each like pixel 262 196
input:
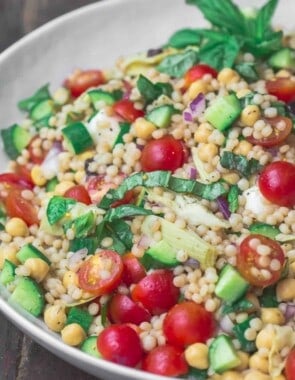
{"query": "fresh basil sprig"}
pixel 151 91
pixel 176 65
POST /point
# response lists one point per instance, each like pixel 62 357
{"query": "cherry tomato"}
pixel 166 361
pixel 276 183
pixel 97 188
pixel 282 88
pixel 129 197
pixel 33 157
pixel 156 291
pixel 120 344
pixel 79 193
pixel 188 323
pixel 259 269
pixel 25 172
pixel 165 153
pixel 134 271
pixel 102 273
pixel 80 81
pixel 17 206
pixel 197 72
pixel 123 310
pixel 15 180
pixel 290 365
pixel 125 108
pixel 277 136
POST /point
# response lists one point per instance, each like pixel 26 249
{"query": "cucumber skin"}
pixel 78 137
pixel 215 359
pixel 101 95
pixel 89 346
pixel 264 229
pixel 29 251
pixel 15 139
pixel 161 116
pixel 8 272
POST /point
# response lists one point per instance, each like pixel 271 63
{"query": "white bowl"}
pixel 91 37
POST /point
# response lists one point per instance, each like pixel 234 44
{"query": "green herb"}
pixel 240 163
pixel 117 94
pixel 196 374
pixel 1 227
pixel 44 122
pixel 123 232
pixel 264 229
pixel 80 316
pixel 104 314
pixel 82 226
pixel 233 198
pixel 125 211
pixel 29 103
pixel 57 208
pixel 236 307
pixel 239 331
pixel 89 242
pixel 176 65
pixel 151 91
pixel 117 234
pixel 184 37
pixel 247 70
pixel 268 297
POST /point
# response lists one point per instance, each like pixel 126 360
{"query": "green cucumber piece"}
pixel 163 252
pixel 231 285
pixel 223 112
pixel 51 184
pixel 161 116
pixel 29 296
pixel 42 109
pixel 124 128
pixel 28 251
pixel 264 229
pixel 81 317
pixel 15 139
pixel 8 272
pixel 77 137
pixel 89 346
pixel 222 354
pixel 101 96
pixel 283 59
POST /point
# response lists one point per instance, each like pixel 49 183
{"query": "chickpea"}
pixel 265 338
pixel 207 151
pixel 79 176
pixel 73 334
pixel 202 133
pixel 272 315
pixel 16 227
pixel 286 290
pixel 243 148
pixel 250 115
pixel 232 178
pixel 70 278
pixel 280 377
pixel 55 317
pixel 9 253
pixel 256 361
pixel 227 76
pixel 143 128
pixel 256 375
pixel 197 355
pixel 38 176
pixel 244 358
pixel 62 187
pixel 197 87
pixel 231 375
pixel 242 93
pixel 38 268
pixel 283 74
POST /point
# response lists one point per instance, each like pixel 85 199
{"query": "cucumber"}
pixel 222 354
pixel 124 128
pixel 283 59
pixel 77 137
pixel 29 296
pixel 8 272
pixel 264 229
pixel 231 285
pixel 42 109
pixel 89 346
pixel 80 316
pixel 161 116
pixel 28 251
pixel 101 96
pixel 15 139
pixel 51 184
pixel 163 252
pixel 223 112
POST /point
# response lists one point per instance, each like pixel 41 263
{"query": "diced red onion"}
pixel 193 173
pixel 144 242
pixel 50 163
pixel 223 207
pixel 76 258
pixel 187 116
pixel 226 324
pixel 290 311
pixel 195 108
pixel 193 263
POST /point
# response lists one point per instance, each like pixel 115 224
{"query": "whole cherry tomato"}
pixel 79 193
pixel 156 291
pixel 80 81
pixel 282 88
pixel 290 365
pixel 120 344
pixel 197 72
pixel 17 206
pixel 165 360
pixel 260 269
pixel 134 271
pixel 276 183
pixel 187 323
pixel 125 108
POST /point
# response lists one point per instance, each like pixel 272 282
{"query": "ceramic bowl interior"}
pixel 90 37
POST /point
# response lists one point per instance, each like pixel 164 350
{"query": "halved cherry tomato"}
pixel 276 183
pixel 123 310
pixel 187 323
pixel 277 136
pixel 166 361
pixel 33 157
pixel 197 72
pixel 129 197
pixel 17 206
pixel 165 153
pixel 120 344
pixel 282 88
pixel 156 291
pixel 80 81
pixel 102 273
pixel 25 172
pixel 79 193
pixel 290 365
pixel 15 180
pixel 125 108
pixel 260 269
pixel 134 271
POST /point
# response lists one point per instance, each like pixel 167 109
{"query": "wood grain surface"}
pixel 20 357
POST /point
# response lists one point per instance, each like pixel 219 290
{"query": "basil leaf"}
pixel 247 70
pixel 176 65
pixel 236 307
pixel 83 225
pixel 166 88
pixel 104 230
pixel 41 94
pixel 263 18
pixel 239 331
pixel 240 163
pixel 233 198
pixel 125 211
pixel 272 43
pixel 151 91
pixel 123 231
pixel 89 242
pixel 268 297
pixel 184 37
pixel 1 227
pixel 57 208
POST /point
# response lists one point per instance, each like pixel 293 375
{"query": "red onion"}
pixel 76 258
pixel 226 324
pixel 223 207
pixel 192 263
pixel 193 173
pixel 144 242
pixel 290 311
pixel 195 108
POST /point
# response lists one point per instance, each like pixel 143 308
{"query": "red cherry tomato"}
pixel 282 88
pixel 165 153
pixel 188 323
pixel 97 188
pixel 125 108
pixel 102 273
pixel 128 198
pixel 156 291
pixel 166 361
pixel 79 193
pixel 17 206
pixel 134 271
pixel 259 269
pixel 15 180
pixel 290 365
pixel 24 172
pixel 123 310
pixel 277 136
pixel 276 183
pixel 80 81
pixel 197 72
pixel 120 344
pixel 33 156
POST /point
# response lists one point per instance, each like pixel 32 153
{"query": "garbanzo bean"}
pixel 250 115
pixel 286 290
pixel 70 278
pixel 243 148
pixel 73 334
pixel 232 375
pixel 38 176
pixel 227 76
pixel 197 355
pixel 272 315
pixel 265 338
pixel 62 187
pixel 8 253
pixel 256 361
pixel 143 128
pixel 197 87
pixel 55 317
pixel 244 357
pixel 207 151
pixel 16 227
pixel 202 133
pixel 38 268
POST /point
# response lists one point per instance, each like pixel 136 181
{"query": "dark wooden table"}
pixel 20 357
